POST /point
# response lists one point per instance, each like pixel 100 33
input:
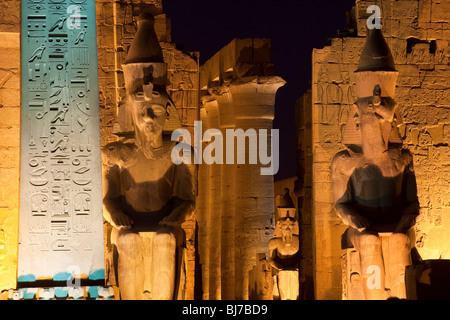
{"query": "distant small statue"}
pixel 284 249
pixel 374 185
pixel 261 280
pixel 146 196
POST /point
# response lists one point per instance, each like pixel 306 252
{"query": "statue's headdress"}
pixel 145 71
pixel 376 69
pixel 285 210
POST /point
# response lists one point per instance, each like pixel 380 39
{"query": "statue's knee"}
pixel 369 243
pixel 401 240
pixel 166 239
pixel 128 242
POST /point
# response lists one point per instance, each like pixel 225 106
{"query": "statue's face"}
pixel 149 113
pixel 375 120
pixel 287 227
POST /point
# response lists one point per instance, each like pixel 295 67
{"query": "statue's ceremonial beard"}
pixel 288 239
pixel 151 131
pixel 146 137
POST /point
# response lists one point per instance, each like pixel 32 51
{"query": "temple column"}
pixel 253 105
pixel 203 209
pixel 226 112
pixel 241 77
pixel 212 270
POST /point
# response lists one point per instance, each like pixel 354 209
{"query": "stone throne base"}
pixel 180 266
pixel 288 284
pixel 352 287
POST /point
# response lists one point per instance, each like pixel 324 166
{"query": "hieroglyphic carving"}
pixel 61 220
pixel 183 78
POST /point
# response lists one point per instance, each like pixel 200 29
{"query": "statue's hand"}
pixel 359 222
pixel 121 221
pixel 172 220
pixel 405 223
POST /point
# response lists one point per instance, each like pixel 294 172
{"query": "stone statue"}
pixel 146 196
pixel 374 185
pixel 260 279
pixel 284 249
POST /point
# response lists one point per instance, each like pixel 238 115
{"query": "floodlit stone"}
pixel 242 91
pixel 419 46
pixel 284 248
pixel 374 186
pixel 147 197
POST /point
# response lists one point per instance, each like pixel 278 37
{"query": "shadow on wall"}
pixel 428 280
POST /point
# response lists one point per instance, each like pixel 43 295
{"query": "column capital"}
pixel 254 97
pixel 224 100
pixel 206 99
pixel 212 110
pixel 218 91
pixel 257 90
pixel 247 83
pixel 276 81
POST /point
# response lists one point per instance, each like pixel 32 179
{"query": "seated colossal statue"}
pixel 146 196
pixel 374 185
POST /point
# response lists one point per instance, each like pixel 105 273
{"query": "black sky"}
pixel 295 28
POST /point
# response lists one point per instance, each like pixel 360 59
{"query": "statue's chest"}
pixel 288 250
pixel 147 184
pixel 375 181
pixel 147 170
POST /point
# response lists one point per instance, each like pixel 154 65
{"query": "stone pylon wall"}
pixel 418 33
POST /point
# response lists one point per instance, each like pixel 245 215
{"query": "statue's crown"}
pixel 144 67
pixel 376 67
pixel 145 62
pixel 285 208
pixel 145 46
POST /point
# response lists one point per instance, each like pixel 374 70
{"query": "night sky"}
pixel 295 27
